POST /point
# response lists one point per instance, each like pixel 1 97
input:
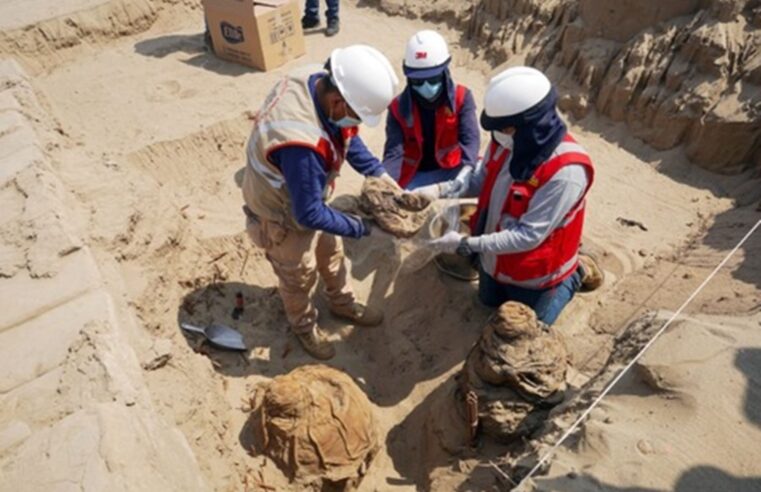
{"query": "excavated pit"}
pixel 146 133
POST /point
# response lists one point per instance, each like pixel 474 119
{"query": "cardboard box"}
pixel 262 34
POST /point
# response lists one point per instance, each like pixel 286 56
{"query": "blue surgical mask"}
pixel 428 90
pixel 503 139
pixel 347 122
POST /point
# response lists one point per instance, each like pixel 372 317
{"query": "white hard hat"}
pixel 427 55
pixel 365 79
pixel 512 92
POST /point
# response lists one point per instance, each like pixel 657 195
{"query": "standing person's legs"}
pixel 312 9
pixel 332 12
pixel 332 267
pixel 290 254
pixel 334 24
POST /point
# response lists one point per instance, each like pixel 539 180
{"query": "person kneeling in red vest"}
pixel 431 130
pixel 531 191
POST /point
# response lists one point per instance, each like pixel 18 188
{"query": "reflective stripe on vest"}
pixel 493 160
pixel 442 154
pixel 325 148
pixel 276 179
pixel 564 147
pixel 542 282
pixel 447 149
pixel 557 257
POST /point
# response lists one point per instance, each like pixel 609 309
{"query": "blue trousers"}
pixel 313 9
pixel 546 303
pixel 430 177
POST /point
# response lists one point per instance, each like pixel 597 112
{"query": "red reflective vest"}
pixel 556 258
pixel 448 151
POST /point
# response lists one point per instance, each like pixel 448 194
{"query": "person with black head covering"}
pixel 432 131
pixel 531 191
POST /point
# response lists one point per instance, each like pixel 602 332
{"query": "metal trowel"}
pixel 220 336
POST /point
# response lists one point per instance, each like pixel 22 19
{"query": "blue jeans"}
pixel 313 9
pixel 430 177
pixel 547 303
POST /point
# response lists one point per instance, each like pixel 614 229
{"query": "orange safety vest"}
pixel 557 257
pixel 447 148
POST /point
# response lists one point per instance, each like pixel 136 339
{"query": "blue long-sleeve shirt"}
pixel 469 136
pixel 305 176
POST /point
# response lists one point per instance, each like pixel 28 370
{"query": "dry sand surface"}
pixel 121 140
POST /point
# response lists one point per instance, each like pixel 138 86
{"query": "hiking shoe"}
pixel 593 276
pixel 333 27
pixel 309 22
pixel 316 345
pixel 456 266
pixel 359 314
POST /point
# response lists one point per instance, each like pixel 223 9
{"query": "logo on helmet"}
pixel 232 34
pixel 421 55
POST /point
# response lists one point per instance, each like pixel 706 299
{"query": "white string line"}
pixel 620 375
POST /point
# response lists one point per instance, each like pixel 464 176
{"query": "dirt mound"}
pixel 40 34
pixel 317 425
pixel 513 378
pixel 681 73
pixel 398 213
pixel 516 372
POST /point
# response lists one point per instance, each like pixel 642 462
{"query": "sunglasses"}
pixel 430 80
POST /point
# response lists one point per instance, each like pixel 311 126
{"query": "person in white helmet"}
pixel 531 200
pixel 432 131
pixel 304 130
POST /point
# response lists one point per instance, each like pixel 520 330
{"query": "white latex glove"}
pixel 387 177
pixel 447 243
pixel 460 184
pixel 434 191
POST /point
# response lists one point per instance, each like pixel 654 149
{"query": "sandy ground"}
pixel 685 419
pixel 143 136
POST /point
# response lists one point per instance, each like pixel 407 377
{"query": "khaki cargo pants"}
pixel 296 257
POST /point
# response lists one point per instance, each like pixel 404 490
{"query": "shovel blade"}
pixel 225 337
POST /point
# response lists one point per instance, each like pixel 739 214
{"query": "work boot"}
pixel 333 27
pixel 316 345
pixel 308 22
pixel 592 275
pixel 359 314
pixel 456 266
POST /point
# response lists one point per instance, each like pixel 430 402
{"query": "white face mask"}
pixel 347 122
pixel 503 139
